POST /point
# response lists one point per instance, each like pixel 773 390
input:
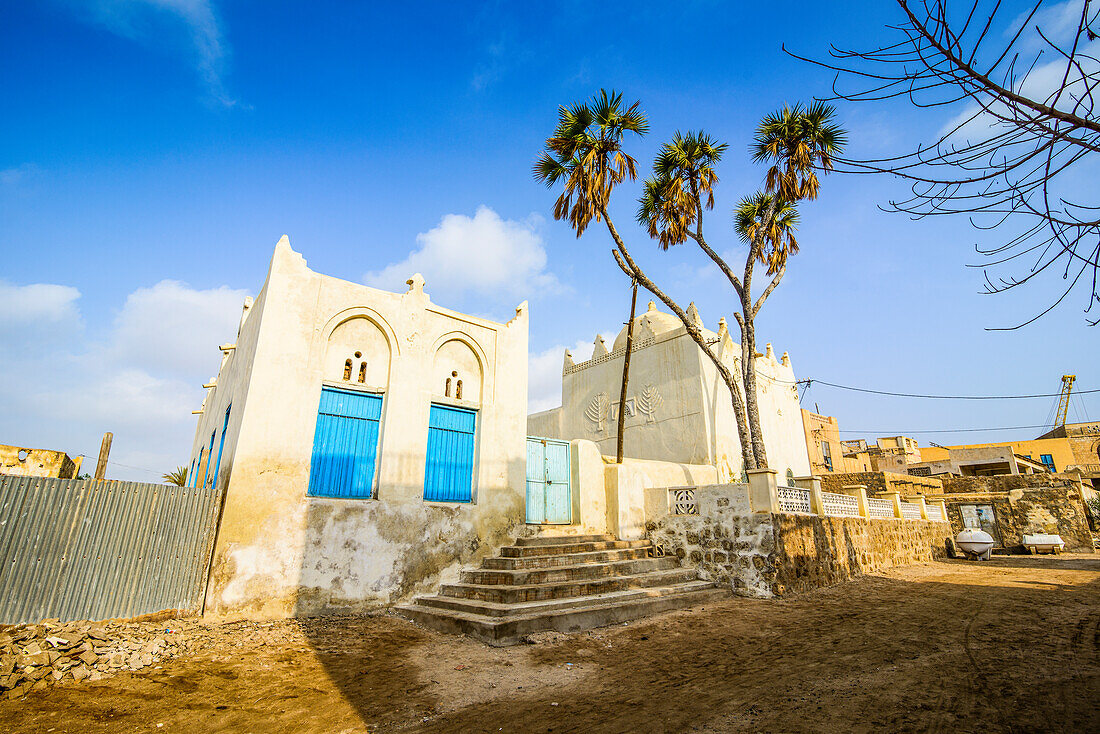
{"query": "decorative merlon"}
pixel 693 316
pixel 416 284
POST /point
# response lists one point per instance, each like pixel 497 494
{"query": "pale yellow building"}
pixel 825 449
pixel 1054 454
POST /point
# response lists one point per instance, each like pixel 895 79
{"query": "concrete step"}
pixel 566 559
pixel 562 539
pixel 505 594
pixel 556 549
pixel 626 591
pixel 580 572
pixel 510 629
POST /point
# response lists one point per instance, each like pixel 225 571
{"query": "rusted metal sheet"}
pixel 86 549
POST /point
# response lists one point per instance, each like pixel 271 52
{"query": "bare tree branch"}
pixel 1012 161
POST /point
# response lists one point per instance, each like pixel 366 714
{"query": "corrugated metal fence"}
pixel 73 549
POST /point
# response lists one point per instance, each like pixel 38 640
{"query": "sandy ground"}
pixel 1009 645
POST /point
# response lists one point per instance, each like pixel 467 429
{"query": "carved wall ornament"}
pixel 597 410
pixel 648 402
pixel 683 502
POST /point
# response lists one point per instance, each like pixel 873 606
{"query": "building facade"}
pixel 369 444
pixel 27 462
pixel 677 408
pixel 1083 440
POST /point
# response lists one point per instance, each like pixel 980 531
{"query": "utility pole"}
pixel 626 375
pixel 104 452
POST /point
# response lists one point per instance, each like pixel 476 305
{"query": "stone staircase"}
pixel 567 584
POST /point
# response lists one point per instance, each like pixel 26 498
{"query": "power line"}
pixel 943 397
pixel 946 430
pixel 126 466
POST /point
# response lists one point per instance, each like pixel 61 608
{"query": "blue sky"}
pixel 153 151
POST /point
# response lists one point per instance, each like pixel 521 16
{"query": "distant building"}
pixel 825 449
pixel 829 454
pixel 1083 440
pixel 981 460
pixel 1072 448
pixel 26 462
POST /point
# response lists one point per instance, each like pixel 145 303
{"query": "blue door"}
pixel 549 499
pixel 449 470
pixel 345 445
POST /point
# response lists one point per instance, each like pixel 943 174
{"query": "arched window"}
pixel 458 390
pixel 790 478
pixel 347 371
pixel 447 388
pixel 363 372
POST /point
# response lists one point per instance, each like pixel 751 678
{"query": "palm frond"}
pixel 178 477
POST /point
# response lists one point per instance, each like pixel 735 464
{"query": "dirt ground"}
pixel 1008 645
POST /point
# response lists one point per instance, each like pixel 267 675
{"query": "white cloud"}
pixel 28 307
pixel 135 20
pixel 483 254
pixel 173 329
pixel 1059 24
pixel 544 371
pixel 141 380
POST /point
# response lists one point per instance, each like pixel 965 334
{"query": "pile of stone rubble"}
pixel 38 655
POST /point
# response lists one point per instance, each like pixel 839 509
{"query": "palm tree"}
pixel 585 152
pixel 795 142
pixel 776 236
pixel 671 207
pixel 177 477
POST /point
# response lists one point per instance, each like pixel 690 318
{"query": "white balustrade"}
pixel 839 505
pixel 794 499
pixel 879 508
pixel 910 511
pixel 935 512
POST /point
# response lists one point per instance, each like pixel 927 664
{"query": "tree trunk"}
pixel 627 264
pixel 748 354
pixel 626 374
pixel 752 404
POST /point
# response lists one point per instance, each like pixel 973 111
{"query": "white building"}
pixel 368 442
pixel 678 408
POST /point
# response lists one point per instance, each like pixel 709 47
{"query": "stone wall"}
pixel 1052 504
pixel 813 551
pixel 766 554
pixel 882 481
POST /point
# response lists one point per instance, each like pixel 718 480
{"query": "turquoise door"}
pixel 449 469
pixel 345 444
pixel 549 500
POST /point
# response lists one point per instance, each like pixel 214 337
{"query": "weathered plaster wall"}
pixel 627 485
pixel 1024 504
pixel 26 462
pixel 764 554
pixel 280 552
